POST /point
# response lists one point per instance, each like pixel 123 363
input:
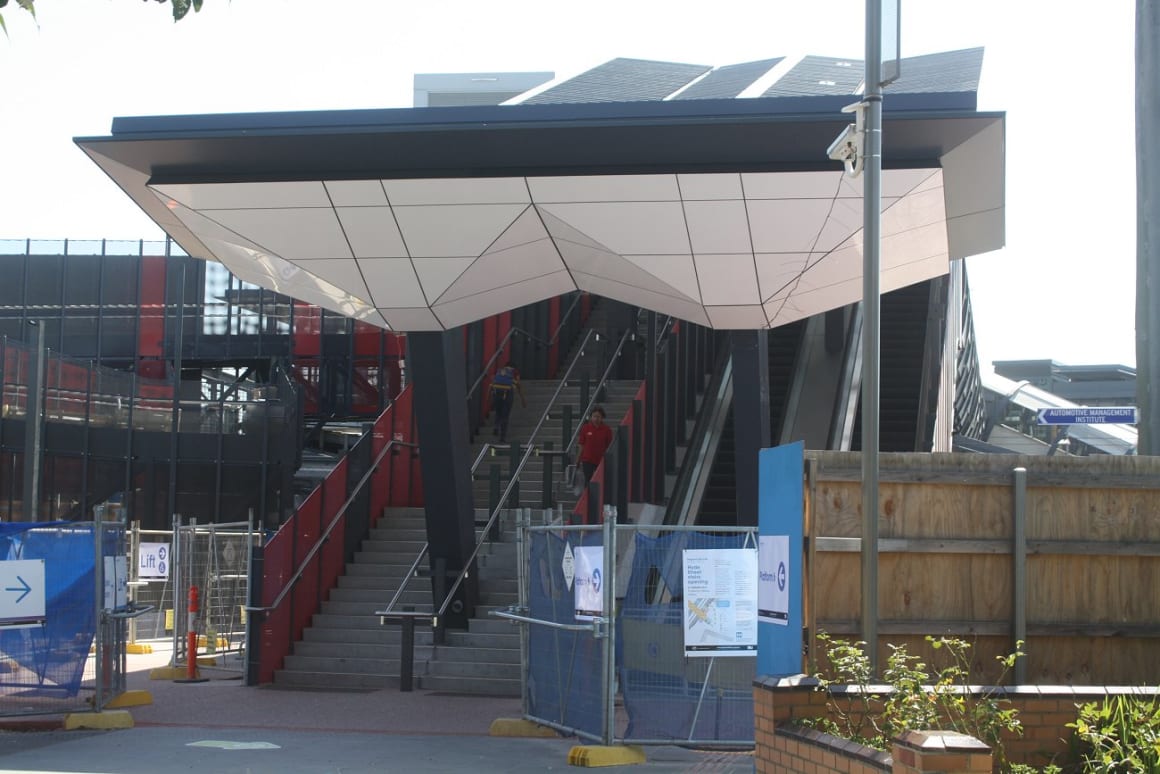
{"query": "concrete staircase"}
pixel 485 659
pixel 345 647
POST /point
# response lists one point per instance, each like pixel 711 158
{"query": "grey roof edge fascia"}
pixel 508 115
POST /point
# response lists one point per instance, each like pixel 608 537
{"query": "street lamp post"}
pixel 33 425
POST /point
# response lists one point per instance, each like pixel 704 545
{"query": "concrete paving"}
pixel 223 727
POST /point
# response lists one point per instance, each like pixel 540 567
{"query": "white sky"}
pixel 1063 71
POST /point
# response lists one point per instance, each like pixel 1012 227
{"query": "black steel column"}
pixel 651 393
pixel 436 361
pixel 750 415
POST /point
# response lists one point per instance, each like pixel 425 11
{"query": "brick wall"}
pixel 1044 711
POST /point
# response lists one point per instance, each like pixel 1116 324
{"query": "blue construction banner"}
pixel 564 667
pixel 666 694
pixel 47 605
pixel 779 562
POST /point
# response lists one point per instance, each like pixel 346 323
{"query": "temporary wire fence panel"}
pixel 667 694
pixel 53 605
pixel 564 667
pixel 216 559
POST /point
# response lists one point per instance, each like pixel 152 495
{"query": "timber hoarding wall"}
pixel 1078 573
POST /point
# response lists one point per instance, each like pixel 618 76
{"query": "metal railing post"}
pixel 546 493
pixel 407 652
pixel 608 669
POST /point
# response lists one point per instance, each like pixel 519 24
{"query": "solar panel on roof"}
pixel 729 81
pixel 622 80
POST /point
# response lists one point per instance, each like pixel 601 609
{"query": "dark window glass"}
pixel 12 287
pixel 80 336
pixel 13 328
pixel 119 280
pixel 45 281
pixel 82 281
pixel 118 334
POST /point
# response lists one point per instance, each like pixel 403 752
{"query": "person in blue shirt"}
pixel 504 386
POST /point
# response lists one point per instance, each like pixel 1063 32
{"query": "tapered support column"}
pixel 750 351
pixel 436 360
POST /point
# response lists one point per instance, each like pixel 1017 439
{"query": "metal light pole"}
pixel 33 425
pixel 871 304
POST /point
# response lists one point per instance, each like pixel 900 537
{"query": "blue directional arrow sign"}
pixel 1088 415
pixel 21 592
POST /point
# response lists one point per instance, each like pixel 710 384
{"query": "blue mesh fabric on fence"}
pixel 665 693
pixel 564 667
pixel 52 656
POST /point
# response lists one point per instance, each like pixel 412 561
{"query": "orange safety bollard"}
pixel 191 646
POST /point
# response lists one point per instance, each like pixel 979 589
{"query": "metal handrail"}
pixel 513 331
pixel 596 389
pixel 513 480
pixel 330 527
pixel 413 570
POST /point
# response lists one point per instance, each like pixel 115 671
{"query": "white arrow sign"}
pixel 21 592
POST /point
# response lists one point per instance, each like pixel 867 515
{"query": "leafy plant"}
pixel 1121 734
pixel 915 697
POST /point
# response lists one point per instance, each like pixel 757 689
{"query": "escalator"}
pixel 812 379
pixel 905 422
pixel 719 505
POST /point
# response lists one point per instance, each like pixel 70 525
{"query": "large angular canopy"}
pixel 724 212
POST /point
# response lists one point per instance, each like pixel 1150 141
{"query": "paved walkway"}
pixel 222 727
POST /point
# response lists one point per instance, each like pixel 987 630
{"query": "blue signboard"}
pixel 779 570
pixel 1088 415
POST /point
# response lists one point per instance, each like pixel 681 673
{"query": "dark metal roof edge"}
pixel 531 115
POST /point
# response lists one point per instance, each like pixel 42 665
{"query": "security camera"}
pixel 848 148
pixel 845 148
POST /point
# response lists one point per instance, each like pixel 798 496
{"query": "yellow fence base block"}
pixel 207 661
pixel 519 727
pixel 130 699
pixel 167 673
pixel 103 721
pixel 593 756
pixel 139 648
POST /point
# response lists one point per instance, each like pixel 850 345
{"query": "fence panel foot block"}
pixel 593 756
pixel 519 727
pixel 131 699
pixel 103 721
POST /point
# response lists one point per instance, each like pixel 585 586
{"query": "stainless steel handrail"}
pixel 514 479
pixel 330 527
pixel 596 389
pixel 513 331
pixel 413 570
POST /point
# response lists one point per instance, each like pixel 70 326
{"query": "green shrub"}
pixel 915 698
pixel 1120 734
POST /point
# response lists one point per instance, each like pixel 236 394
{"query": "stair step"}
pixel 356 650
pixel 475 686
pixel 387 636
pixel 475 670
pixel 458 638
pixel 469 654
pixel 284 678
pixel 343 666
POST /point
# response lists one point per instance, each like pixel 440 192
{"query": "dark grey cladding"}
pixel 729 81
pixel 622 80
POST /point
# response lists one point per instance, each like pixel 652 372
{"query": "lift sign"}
pixel 153 560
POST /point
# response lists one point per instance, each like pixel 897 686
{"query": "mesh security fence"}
pixel 669 695
pixel 667 688
pixel 63 607
pixel 564 686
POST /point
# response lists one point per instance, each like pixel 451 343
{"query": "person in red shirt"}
pixel 594 439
